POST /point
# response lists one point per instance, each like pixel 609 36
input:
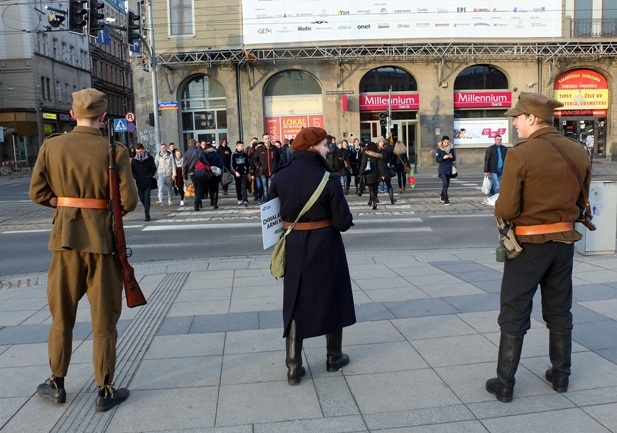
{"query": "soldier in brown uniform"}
pixel 71 175
pixel 541 195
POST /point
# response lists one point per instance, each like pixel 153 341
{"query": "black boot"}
pixel 109 397
pixel 510 348
pixel 53 388
pixel 335 359
pixel 560 351
pixel 391 194
pixel 295 371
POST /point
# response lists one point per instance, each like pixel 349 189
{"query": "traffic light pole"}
pixel 155 86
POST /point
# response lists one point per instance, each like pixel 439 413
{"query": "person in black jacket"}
pixel 214 160
pixel 493 163
pixel 240 169
pixel 266 162
pixel 193 155
pixel 144 169
pixel 225 153
pixel 317 294
pixel 372 168
pixel 355 158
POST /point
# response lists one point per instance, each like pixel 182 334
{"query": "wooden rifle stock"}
pixel 134 295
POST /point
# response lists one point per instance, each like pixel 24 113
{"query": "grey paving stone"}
pixel 582 314
pixel 464 349
pixel 197 371
pixel 370 312
pixel 395 294
pixel 9 407
pixel 605 414
pixel 203 295
pixel 171 409
pixel 417 328
pixel 254 367
pixel 557 421
pixel 592 397
pixel 418 271
pixel 194 308
pixel 382 282
pixel 405 419
pixel 383 357
pixel 254 341
pixel 267 402
pixel 175 325
pixel 224 322
pixel 596 335
pixel 478 276
pixel 472 303
pixel 442 290
pixel 336 400
pixel 25 355
pixel 398 391
pixel 594 292
pixel 606 307
pixel 420 307
pixel 490 286
pixel 186 345
pixel 24 334
pixel 610 354
pixel 271 319
pixel 342 424
pixel 232 429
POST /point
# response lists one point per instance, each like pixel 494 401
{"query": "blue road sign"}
pixel 120 125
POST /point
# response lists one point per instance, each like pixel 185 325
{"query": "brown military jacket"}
pixel 76 165
pixel 539 187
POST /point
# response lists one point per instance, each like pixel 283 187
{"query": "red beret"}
pixel 308 137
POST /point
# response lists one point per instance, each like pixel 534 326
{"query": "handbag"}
pixel 227 178
pixel 406 166
pixel 277 261
pixel 454 171
pixel 486 186
pixel 153 183
pixel 216 170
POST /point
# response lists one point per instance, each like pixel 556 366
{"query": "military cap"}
pixel 534 103
pixel 89 103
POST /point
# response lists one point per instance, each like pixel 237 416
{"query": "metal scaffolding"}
pixel 549 51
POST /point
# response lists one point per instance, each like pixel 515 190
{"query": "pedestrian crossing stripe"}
pixel 120 125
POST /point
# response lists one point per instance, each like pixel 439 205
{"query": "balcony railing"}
pixel 593 28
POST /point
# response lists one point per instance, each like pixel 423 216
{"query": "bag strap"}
pixel 576 173
pixel 311 201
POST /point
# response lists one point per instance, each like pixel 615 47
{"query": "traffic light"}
pixel 383 118
pixel 78 15
pixel 133 27
pixel 95 18
pixel 56 19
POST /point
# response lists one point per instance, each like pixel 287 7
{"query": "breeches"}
pixel 71 275
pixel 548 265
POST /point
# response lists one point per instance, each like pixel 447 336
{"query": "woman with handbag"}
pixel 401 165
pixel 445 157
pixel 372 168
pixel 317 295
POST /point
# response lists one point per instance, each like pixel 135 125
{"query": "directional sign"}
pixel 130 116
pixel 120 125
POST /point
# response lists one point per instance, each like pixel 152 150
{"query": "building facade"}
pixel 235 69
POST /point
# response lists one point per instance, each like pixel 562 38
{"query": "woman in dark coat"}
pixel 445 157
pixel 144 169
pixel 317 296
pixel 376 173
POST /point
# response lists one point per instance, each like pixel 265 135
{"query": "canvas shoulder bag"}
pixel 277 262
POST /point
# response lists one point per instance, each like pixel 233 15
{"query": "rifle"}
pixel 134 295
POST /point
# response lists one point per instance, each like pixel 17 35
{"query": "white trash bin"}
pixel 603 203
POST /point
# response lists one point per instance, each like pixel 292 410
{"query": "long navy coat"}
pixel 317 285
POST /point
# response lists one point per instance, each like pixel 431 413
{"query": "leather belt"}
pixel 84 203
pixel 541 229
pixel 309 225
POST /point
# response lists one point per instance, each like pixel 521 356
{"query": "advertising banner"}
pixel 581 89
pixel 291 21
pixel 399 101
pixel 281 127
pixel 479 132
pixel 482 99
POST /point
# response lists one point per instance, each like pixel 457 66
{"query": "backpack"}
pixel 203 172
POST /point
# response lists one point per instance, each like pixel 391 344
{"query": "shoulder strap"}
pixel 576 173
pixel 311 201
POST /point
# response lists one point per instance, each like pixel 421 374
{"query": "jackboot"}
pixel 335 359
pixel 510 348
pixel 293 360
pixel 391 194
pixel 560 351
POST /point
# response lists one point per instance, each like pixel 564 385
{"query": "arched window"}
pixel 204 110
pixel 480 77
pixel 380 80
pixel 292 100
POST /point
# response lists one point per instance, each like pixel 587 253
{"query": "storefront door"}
pixel 589 131
pixel 406 131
